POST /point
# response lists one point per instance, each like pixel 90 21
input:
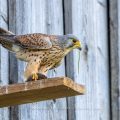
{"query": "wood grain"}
pixel 19 23
pixel 4 56
pixel 38 91
pixel 114 57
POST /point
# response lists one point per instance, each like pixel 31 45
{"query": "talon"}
pixel 35 77
pixel 41 76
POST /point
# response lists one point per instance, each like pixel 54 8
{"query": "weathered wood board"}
pixel 40 90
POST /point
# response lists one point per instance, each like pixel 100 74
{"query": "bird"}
pixel 42 52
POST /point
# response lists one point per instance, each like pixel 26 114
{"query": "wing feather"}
pixel 33 41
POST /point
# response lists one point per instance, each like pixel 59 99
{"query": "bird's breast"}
pixel 50 56
pixel 53 56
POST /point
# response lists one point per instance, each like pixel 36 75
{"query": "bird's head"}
pixel 71 42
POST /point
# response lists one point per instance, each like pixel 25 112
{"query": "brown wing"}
pixel 33 41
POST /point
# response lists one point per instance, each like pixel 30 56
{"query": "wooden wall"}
pixel 99 61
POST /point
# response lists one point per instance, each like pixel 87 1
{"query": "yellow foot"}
pixel 34 76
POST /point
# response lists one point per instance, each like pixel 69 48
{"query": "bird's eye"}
pixel 74 41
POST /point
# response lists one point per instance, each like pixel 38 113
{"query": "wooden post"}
pixel 4 56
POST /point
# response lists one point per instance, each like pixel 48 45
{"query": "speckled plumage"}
pixel 43 59
pixel 41 51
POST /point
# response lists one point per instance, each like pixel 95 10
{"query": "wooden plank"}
pixel 19 23
pixel 91 28
pixel 114 57
pixel 119 52
pixel 69 58
pixel 38 91
pixel 4 64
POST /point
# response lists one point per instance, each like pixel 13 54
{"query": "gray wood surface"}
pixel 69 59
pixel 4 57
pixel 115 57
pixel 119 55
pixel 19 22
pixel 89 23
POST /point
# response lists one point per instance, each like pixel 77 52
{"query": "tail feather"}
pixel 6 43
pixel 6 39
pixel 5 32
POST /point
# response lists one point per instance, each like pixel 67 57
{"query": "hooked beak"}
pixel 78 45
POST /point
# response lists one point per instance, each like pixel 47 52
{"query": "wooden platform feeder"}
pixel 40 90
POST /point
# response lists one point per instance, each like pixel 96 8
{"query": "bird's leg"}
pixel 41 76
pixel 35 76
pixel 42 72
pixel 31 72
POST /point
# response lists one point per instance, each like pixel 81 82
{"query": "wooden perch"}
pixel 40 90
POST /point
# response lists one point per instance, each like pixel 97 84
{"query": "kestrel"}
pixel 42 52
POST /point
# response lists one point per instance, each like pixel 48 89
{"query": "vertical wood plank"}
pixel 69 59
pixel 44 17
pixel 19 23
pixel 115 60
pixel 91 28
pixel 119 54
pixel 4 57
